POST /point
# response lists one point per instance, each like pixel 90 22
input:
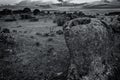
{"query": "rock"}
pixel 90 45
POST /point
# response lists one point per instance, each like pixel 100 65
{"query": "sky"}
pixel 16 1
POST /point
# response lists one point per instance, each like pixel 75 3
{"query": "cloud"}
pixel 16 1
pixel 9 1
pixel 115 0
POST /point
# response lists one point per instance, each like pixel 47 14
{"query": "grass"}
pixel 35 56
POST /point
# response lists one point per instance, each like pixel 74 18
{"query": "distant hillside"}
pixel 50 5
pixel 35 4
pixel 101 5
pixel 68 4
pixel 31 3
pixel 47 4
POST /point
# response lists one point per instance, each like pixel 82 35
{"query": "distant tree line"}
pixel 61 16
pixel 36 12
pixel 10 12
pixel 25 10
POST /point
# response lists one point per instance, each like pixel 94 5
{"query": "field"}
pixel 39 51
pixel 35 51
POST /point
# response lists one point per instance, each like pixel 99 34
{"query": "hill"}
pixel 101 5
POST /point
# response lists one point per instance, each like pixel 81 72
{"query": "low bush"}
pixel 25 31
pixel 48 35
pixel 50 49
pixel 50 39
pixel 37 44
pixel 59 32
pixel 79 21
pixel 32 37
pixel 15 31
pixel 45 34
pixel 19 26
pixel 5 30
pixel 60 20
pixel 34 20
pixel 6 42
pixel 39 34
pixel 10 20
pixel 112 13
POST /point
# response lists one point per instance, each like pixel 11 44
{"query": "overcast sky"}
pixel 15 1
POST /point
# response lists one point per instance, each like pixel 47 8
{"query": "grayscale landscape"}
pixel 60 41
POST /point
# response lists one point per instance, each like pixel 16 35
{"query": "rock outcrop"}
pixel 91 47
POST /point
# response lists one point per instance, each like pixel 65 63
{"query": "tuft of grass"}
pixel 37 44
pixel 39 34
pixel 50 39
pixel 59 32
pixel 5 30
pixel 15 31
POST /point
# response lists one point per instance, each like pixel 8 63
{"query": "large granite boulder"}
pixel 91 47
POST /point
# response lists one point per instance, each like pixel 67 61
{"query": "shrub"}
pixel 50 49
pixel 60 20
pixel 51 34
pixel 34 20
pixel 59 32
pixel 48 34
pixel 37 44
pixel 15 31
pixel 50 39
pixel 5 30
pixel 80 21
pixel 36 12
pixel 81 14
pixel 25 31
pixel 45 34
pixel 27 10
pixel 118 18
pixel 10 20
pixel 26 16
pixel 19 26
pixel 112 13
pixel 0 29
pixel 113 22
pixel 6 42
pixel 32 37
pixel 39 34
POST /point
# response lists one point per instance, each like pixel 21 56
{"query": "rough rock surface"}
pixel 90 43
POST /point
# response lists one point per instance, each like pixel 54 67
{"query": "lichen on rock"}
pixel 90 45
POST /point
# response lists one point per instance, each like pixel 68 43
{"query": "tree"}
pixel 27 10
pixel 6 12
pixel 17 11
pixel 61 1
pixel 36 12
